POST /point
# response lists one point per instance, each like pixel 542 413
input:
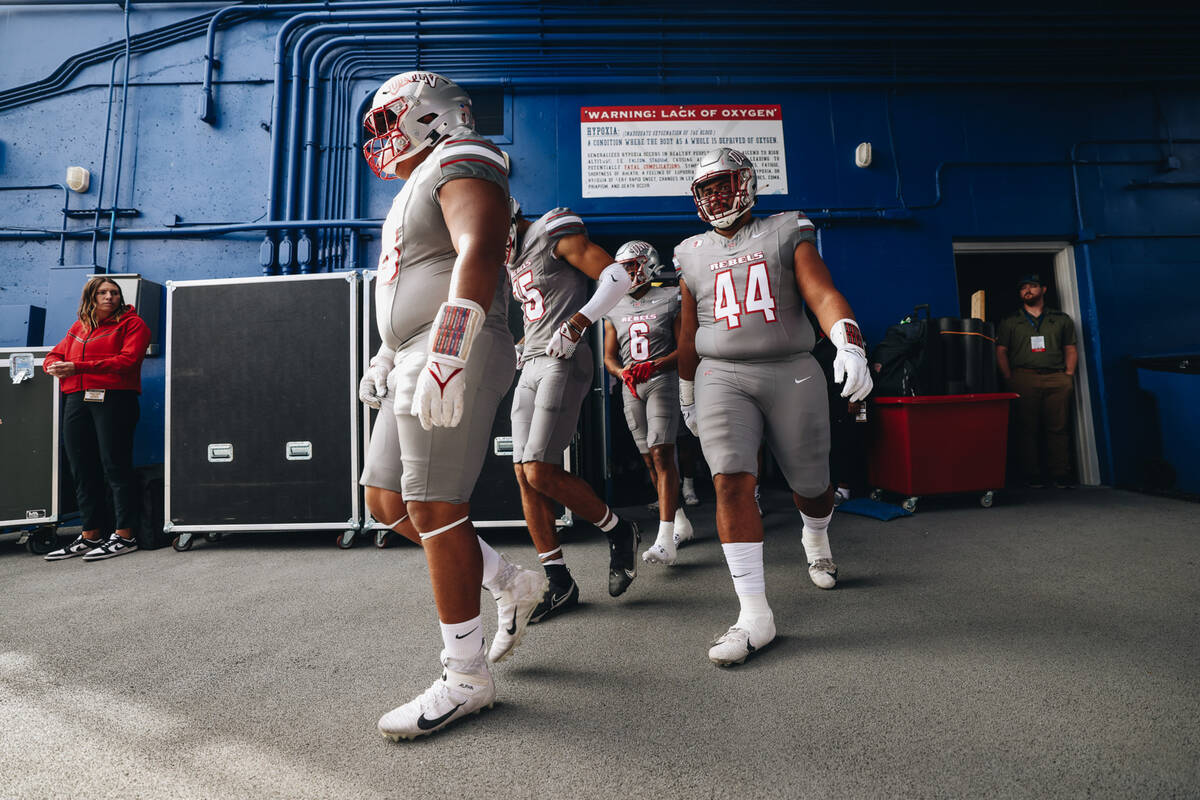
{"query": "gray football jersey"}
pixel 549 289
pixel 645 325
pixel 747 305
pixel 417 256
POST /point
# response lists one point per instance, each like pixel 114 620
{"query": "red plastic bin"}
pixel 940 444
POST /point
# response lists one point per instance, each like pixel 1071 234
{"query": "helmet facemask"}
pixel 387 144
pixel 641 261
pixel 723 197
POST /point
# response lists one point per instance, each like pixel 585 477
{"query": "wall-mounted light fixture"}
pixel 78 179
pixel 862 155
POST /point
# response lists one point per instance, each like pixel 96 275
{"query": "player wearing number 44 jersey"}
pixel 745 342
pixel 639 348
pixel 445 361
pixel 550 273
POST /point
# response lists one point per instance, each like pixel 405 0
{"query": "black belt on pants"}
pixel 1040 370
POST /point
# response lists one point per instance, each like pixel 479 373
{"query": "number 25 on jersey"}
pixel 758 298
pixel 532 302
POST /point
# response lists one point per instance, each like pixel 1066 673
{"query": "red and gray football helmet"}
pixel 412 111
pixel 724 187
pixel 641 261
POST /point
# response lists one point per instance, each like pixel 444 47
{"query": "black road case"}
pixel 496 501
pixel 29 453
pixel 262 412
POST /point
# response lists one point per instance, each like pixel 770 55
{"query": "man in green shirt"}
pixel 1036 353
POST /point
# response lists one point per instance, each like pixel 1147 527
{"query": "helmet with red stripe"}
pixel 724 187
pixel 410 112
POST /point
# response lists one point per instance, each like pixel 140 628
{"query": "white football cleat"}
pixel 517 592
pixel 689 497
pixel 465 688
pixel 661 552
pixel 683 528
pixel 742 639
pixel 823 573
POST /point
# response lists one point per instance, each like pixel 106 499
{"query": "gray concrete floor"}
pixel 1044 647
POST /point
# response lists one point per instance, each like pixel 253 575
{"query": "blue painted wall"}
pixel 985 126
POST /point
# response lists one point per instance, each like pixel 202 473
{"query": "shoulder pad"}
pixel 563 221
pixel 472 153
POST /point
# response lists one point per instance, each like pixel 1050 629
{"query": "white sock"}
pixel 745 560
pixel 666 535
pixel 491 562
pixel 608 521
pixel 689 485
pixel 816 537
pixel 754 608
pixel 463 640
pixel 681 519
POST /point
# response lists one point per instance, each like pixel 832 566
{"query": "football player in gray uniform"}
pixel 550 275
pixel 445 362
pixel 745 342
pixel 639 348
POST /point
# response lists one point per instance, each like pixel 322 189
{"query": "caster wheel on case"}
pixel 876 495
pixel 182 542
pixel 382 538
pixel 212 537
pixel 346 540
pixel 910 505
pixel 42 541
pixel 987 498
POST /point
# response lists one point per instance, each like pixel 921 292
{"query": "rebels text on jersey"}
pixel 747 305
pixel 549 289
pixel 417 256
pixel 645 325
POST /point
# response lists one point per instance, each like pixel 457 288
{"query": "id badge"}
pixel 1037 344
pixel 93 395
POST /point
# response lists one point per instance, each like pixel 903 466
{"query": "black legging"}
pixel 99 444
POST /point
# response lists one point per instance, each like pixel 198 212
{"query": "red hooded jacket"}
pixel 109 357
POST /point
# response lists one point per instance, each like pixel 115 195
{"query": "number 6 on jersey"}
pixel 758 296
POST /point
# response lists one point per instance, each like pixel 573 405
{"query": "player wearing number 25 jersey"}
pixel 554 264
pixel 745 341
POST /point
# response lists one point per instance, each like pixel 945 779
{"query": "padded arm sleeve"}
pixel 612 285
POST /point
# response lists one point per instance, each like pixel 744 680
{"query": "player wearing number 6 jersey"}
pixel 745 342
pixel 639 348
pixel 550 277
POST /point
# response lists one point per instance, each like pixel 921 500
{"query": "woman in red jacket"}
pixel 99 368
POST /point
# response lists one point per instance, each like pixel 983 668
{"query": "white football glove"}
pixel 519 349
pixel 687 404
pixel 564 341
pixel 374 384
pixel 850 365
pixel 439 396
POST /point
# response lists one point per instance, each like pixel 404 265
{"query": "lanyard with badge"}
pixel 93 395
pixel 1037 343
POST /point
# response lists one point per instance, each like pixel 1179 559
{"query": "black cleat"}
pixel 555 601
pixel 623 542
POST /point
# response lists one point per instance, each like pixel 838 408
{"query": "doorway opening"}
pixel 996 267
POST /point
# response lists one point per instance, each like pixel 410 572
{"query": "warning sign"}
pixel 652 151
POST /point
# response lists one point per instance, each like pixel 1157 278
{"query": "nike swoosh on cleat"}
pixel 512 629
pixel 430 724
pixel 744 574
pixel 465 635
pixel 631 574
pixel 801 380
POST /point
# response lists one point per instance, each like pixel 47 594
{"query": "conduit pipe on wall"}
pixel 62 239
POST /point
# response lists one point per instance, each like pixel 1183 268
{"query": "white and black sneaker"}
pixel 741 640
pixel 623 542
pixel 75 548
pixel 823 573
pixel 683 528
pixel 555 601
pixel 112 546
pixel 465 688
pixel 517 592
